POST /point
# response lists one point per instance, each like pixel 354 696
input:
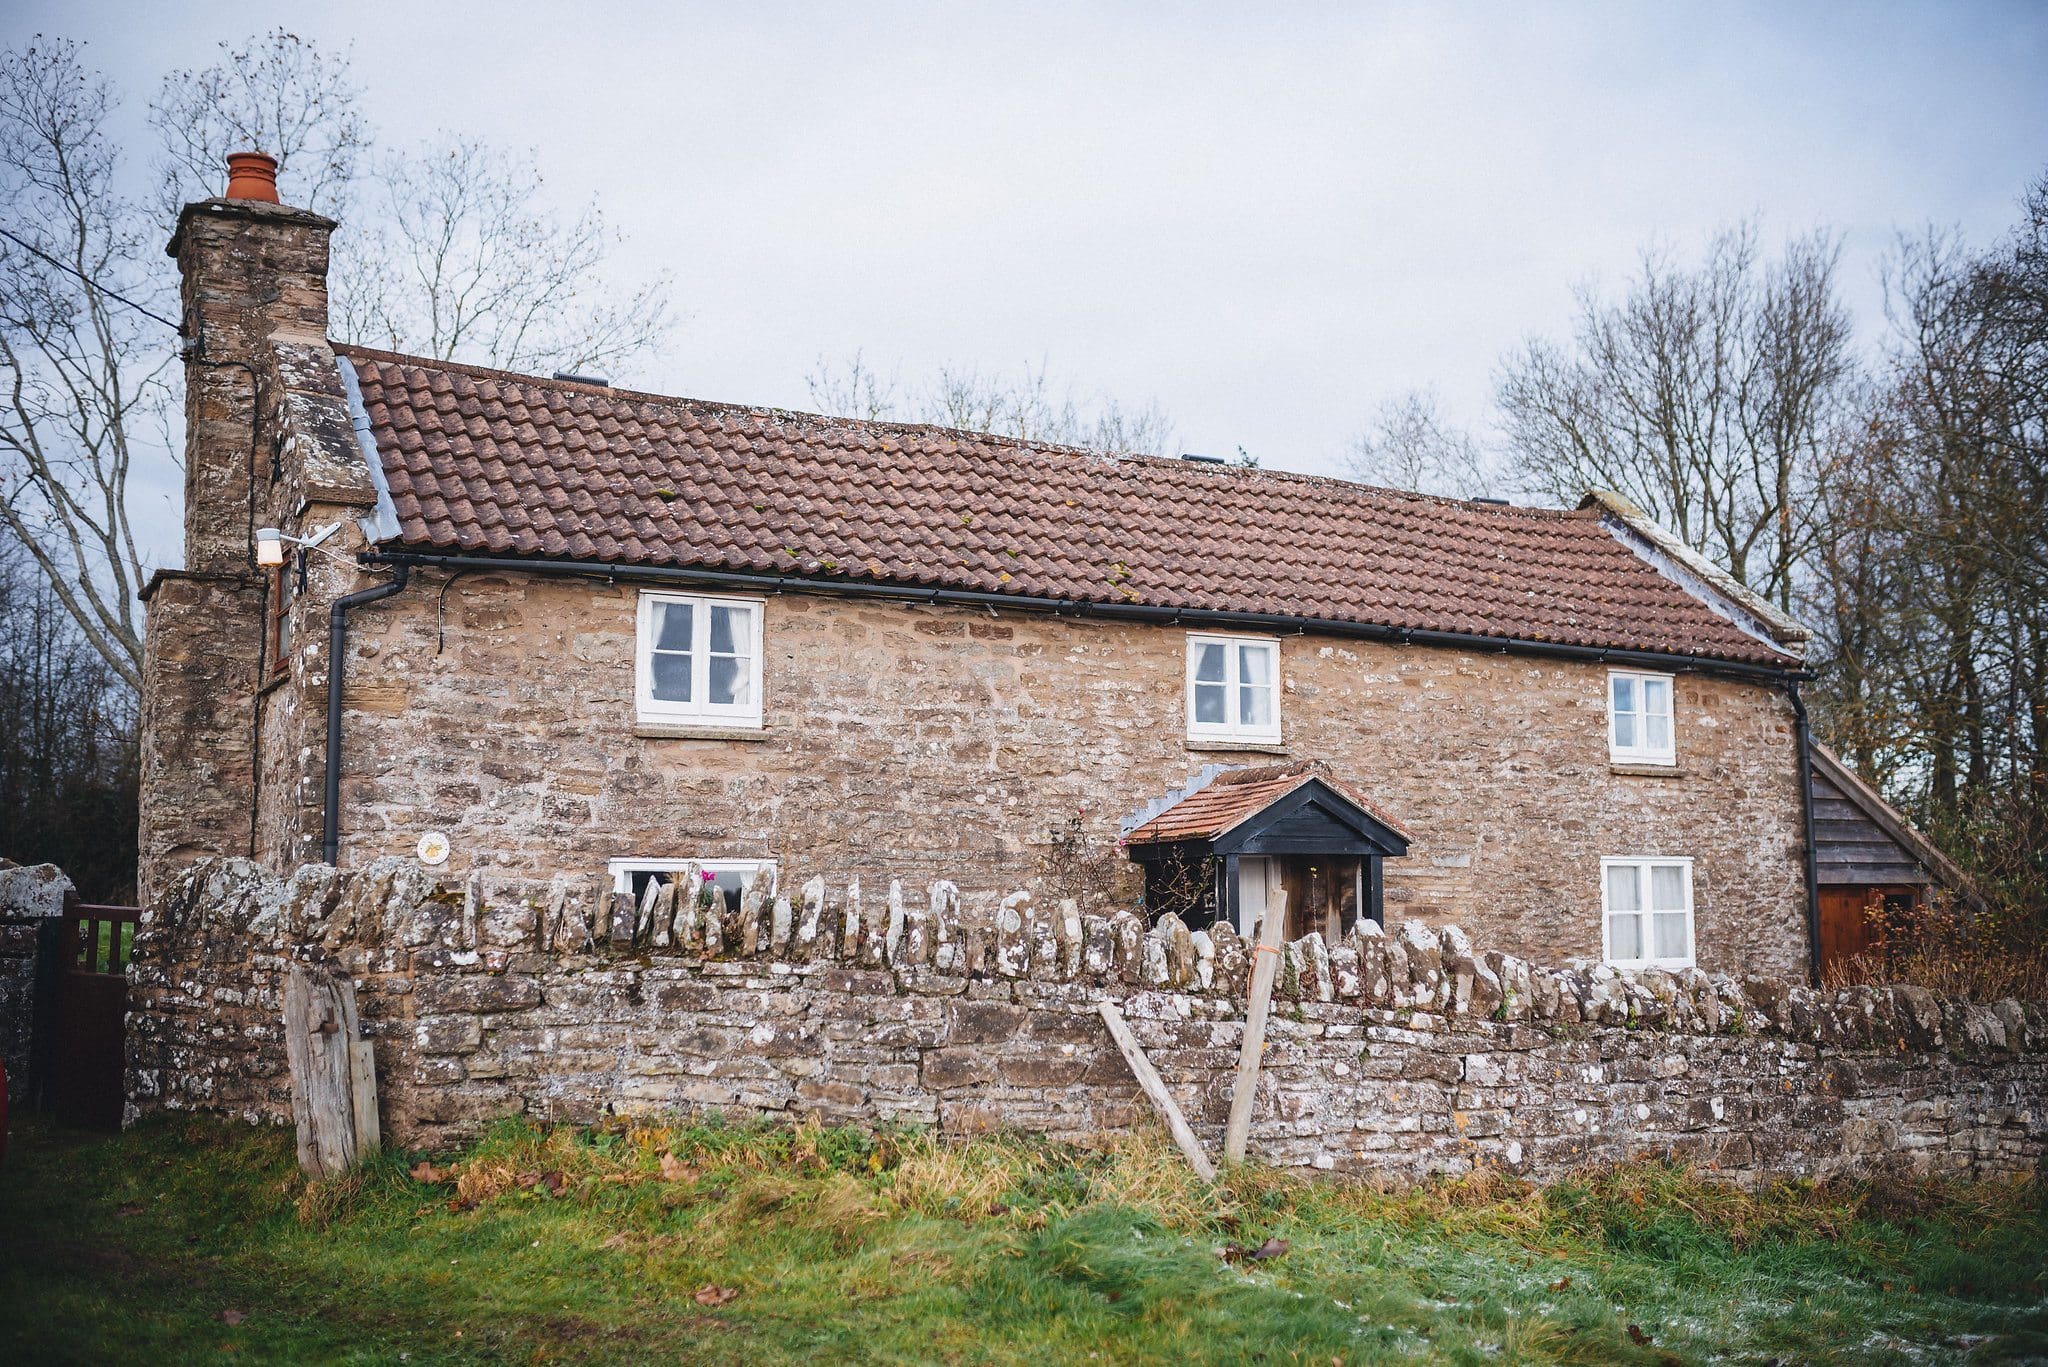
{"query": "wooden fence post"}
pixel 1265 964
pixel 334 1079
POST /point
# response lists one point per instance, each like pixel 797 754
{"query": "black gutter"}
pixel 1207 617
pixel 1803 737
pixel 337 641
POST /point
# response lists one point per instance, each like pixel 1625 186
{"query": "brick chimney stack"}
pixel 254 276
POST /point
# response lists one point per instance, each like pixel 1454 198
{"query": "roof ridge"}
pixel 1055 449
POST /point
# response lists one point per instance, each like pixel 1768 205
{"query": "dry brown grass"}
pixel 1953 951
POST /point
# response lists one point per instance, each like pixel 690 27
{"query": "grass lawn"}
pixel 193 1240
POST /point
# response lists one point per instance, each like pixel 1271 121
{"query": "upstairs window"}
pixel 700 660
pixel 1647 909
pixel 1639 729
pixel 1234 689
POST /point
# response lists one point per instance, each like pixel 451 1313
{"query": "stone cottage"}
pixel 496 621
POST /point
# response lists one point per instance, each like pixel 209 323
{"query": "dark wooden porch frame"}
pixel 1371 840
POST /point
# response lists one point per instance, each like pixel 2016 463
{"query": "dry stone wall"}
pixel 31 908
pixel 1400 1054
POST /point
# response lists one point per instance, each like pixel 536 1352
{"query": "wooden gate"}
pixel 92 1002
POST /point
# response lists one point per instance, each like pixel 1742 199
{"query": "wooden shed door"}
pixel 1853 919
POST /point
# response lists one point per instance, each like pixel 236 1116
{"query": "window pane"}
pixel 731 630
pixel 1209 701
pixel 1657 697
pixel 672 626
pixel 1656 732
pixel 729 681
pixel 1621 888
pixel 1669 935
pixel 1625 937
pixel 1624 693
pixel 1625 730
pixel 671 677
pixel 1209 665
pixel 1667 887
pixel 1255 664
pixel 1255 706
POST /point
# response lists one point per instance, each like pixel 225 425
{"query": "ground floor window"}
pixel 1646 907
pixel 728 878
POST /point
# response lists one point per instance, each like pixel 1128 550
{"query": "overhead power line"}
pixel 91 283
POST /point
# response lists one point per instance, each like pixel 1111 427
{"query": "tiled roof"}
pixel 1235 794
pixel 487 462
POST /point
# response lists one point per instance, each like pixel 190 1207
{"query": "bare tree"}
pixel 1930 584
pixel 1708 396
pixel 1030 406
pixel 459 257
pixel 468 263
pixel 276 93
pixel 82 368
pixel 67 731
pixel 1411 445
pixel 853 389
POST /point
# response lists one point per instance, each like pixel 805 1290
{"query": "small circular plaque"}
pixel 433 848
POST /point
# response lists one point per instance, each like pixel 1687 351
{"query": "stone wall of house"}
pixel 1398 1054
pixel 910 741
pixel 31 906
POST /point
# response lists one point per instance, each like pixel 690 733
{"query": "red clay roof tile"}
pixel 489 462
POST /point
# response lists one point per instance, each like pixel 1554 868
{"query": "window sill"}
pixel 275 682
pixel 671 730
pixel 1639 769
pixel 1237 747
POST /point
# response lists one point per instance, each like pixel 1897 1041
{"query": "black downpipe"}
pixel 337 641
pixel 1144 612
pixel 1803 737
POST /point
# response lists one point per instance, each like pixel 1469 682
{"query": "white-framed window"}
pixel 699 659
pixel 1233 688
pixel 1646 912
pixel 1639 718
pixel 728 877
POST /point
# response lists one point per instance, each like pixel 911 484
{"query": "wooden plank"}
pixel 363 1090
pixel 1265 965
pixel 362 1071
pixel 1155 1090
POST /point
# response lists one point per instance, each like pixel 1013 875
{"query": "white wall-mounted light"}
pixel 270 543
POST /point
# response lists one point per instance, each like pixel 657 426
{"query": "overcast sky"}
pixel 1266 218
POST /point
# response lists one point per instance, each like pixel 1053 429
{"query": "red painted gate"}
pixel 92 1003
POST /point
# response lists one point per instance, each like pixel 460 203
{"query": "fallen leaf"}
pixel 1637 1336
pixel 709 1294
pixel 554 1182
pixel 232 1317
pixel 133 1208
pixel 617 1241
pixel 1272 1248
pixel 423 1171
pixel 674 1169
pixel 1561 1284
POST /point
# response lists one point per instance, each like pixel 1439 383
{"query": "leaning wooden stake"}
pixel 1265 964
pixel 334 1081
pixel 1155 1091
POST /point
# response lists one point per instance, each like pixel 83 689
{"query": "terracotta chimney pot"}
pixel 252 175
